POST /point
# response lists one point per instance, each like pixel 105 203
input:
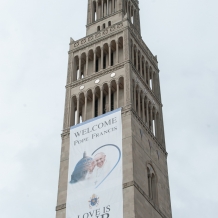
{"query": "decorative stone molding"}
pixel 61 207
pixel 94 76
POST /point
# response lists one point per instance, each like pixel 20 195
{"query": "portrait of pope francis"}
pixel 98 169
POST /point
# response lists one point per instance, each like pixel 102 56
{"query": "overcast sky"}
pixel 34 40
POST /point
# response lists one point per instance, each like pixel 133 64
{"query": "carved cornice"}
pixel 96 75
pixel 133 183
pixel 96 37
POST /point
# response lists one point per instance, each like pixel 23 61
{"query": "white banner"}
pixel 95 168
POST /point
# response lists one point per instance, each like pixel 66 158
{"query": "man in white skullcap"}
pixel 99 168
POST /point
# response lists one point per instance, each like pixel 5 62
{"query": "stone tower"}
pixel 112 67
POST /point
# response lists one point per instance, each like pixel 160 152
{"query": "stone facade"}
pixel 109 68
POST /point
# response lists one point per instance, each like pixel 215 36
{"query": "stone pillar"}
pixel 135 98
pixel 152 80
pixel 118 89
pixel 87 64
pixel 93 104
pixel 143 109
pixel 72 114
pixel 133 16
pixel 149 77
pixel 94 64
pixel 112 7
pixel 117 51
pixel 151 119
pixel 109 103
pixel 102 8
pixel 155 121
pixel 101 102
pixel 109 56
pixel 137 59
pixel 102 57
pixel 147 113
pixel 85 112
pixel 77 115
pixel 107 7
pixel 145 77
pixel 80 67
pixel 141 65
pixel 139 102
pixel 133 54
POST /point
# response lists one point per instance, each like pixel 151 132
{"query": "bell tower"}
pixel 110 68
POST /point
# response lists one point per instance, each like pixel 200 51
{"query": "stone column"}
pixel 118 89
pixel 93 104
pixel 137 59
pixel 133 16
pixel 117 52
pixel 101 102
pixel 107 7
pixel 102 57
pixel 133 54
pixel 152 80
pixel 109 56
pixel 87 64
pixel 72 114
pixel 145 77
pixel 139 102
pixel 151 118
pixel 94 64
pixel 112 6
pixel 135 98
pixel 102 8
pixel 77 115
pixel 141 65
pixel 149 77
pixel 109 103
pixel 147 113
pixel 85 112
pixel 80 67
pixel 155 121
pixel 143 109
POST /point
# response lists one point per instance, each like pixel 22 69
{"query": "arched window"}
pixel 109 23
pixel 98 28
pixel 152 184
pixel 104 26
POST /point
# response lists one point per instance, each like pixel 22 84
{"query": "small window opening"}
pixel 77 74
pixel 112 101
pixel 96 107
pixel 154 128
pixel 109 23
pixel 96 65
pixel 112 59
pixel 104 62
pixel 104 26
pixel 98 28
pixel 104 105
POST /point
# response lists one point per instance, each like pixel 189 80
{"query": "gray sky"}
pixel 34 38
